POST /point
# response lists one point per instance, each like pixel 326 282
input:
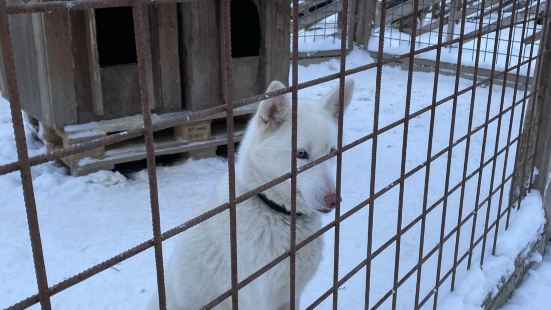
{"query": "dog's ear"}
pixel 274 111
pixel 331 104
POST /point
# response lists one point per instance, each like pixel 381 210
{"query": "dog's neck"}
pixel 273 200
pixel 275 206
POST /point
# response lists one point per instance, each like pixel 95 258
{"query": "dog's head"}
pixel 267 145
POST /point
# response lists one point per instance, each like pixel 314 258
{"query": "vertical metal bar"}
pixel 485 134
pixel 340 123
pixel 139 33
pixel 450 153
pixel 228 95
pixel 373 169
pixel 498 131
pixel 512 116
pixel 429 152
pixel 468 142
pixel 404 150
pixel 294 133
pixel 23 158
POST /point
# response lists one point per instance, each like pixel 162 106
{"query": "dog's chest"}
pixel 265 238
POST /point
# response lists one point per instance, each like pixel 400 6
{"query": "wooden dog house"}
pixel 260 48
pixel 80 66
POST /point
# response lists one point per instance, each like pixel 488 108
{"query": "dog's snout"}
pixel 331 200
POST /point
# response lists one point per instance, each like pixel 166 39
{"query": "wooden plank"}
pixel 311 14
pixel 193 132
pixel 319 54
pixel 275 44
pixel 93 62
pixel 148 60
pixel 120 90
pixel 3 81
pixel 69 140
pixel 200 57
pixel 168 61
pixel 46 111
pixel 59 62
pixel 29 65
pixel 81 54
pixel 134 151
pixel 155 56
pixel 136 121
pixel 245 67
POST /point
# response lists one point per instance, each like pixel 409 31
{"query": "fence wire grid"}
pixel 479 16
pixel 476 22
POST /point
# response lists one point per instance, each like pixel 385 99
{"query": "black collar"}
pixel 274 206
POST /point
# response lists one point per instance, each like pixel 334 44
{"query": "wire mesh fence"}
pixel 320 22
pixel 483 173
pixel 478 15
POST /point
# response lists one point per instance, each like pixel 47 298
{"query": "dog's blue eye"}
pixel 302 154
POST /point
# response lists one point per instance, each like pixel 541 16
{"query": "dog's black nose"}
pixel 331 200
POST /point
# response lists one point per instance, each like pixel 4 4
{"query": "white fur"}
pixel 199 269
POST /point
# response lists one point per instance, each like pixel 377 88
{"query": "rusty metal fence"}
pixel 320 27
pixel 478 14
pixel 523 95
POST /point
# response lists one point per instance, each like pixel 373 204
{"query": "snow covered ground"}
pixel 85 220
pixel 533 292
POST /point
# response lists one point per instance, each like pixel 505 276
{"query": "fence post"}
pixel 542 156
pixel 352 23
pixel 455 11
pixel 365 14
pixel 3 82
pixel 534 146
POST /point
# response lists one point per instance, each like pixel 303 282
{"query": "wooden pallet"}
pixel 197 139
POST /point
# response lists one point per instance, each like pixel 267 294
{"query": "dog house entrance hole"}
pixel 115 36
pixel 245 29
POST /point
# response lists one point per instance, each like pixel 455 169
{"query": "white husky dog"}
pixel 199 268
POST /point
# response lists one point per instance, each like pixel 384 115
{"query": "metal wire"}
pixel 294 170
pixel 23 158
pixel 139 32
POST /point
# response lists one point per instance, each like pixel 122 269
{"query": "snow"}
pixel 85 220
pixel 526 227
pixel 533 292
